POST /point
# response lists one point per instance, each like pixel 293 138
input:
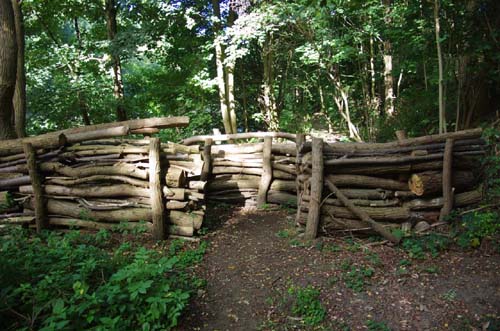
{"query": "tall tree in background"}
pixel 437 27
pixel 388 75
pixel 20 91
pixel 8 65
pixel 225 70
pixel 111 9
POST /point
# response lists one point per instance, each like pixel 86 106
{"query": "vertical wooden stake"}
pixel 207 160
pixel 299 142
pixel 41 218
pixel 267 172
pixel 313 217
pixel 156 196
pixel 401 135
pixel 447 180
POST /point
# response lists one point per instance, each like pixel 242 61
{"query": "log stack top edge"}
pixel 59 138
pixel 246 135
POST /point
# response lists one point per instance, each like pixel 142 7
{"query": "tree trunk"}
pixel 388 76
pixel 442 114
pixel 80 95
pixel 269 106
pixel 20 91
pixel 8 68
pixel 112 29
pixel 221 72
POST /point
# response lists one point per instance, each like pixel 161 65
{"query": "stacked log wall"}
pixel 396 185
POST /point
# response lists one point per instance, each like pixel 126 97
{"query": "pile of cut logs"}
pixel 250 173
pixel 403 184
pixel 81 177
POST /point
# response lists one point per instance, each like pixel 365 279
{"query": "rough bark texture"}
pixel 267 172
pixel 20 91
pixel 8 67
pixel 247 135
pixel 447 180
pixel 112 29
pixel 313 216
pixel 206 170
pixel 155 190
pixel 36 182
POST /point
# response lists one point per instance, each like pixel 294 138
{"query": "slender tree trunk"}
pixel 244 100
pixel 8 68
pixel 442 114
pixel 219 62
pixel 388 76
pixel 268 100
pixel 118 90
pixel 20 91
pixel 80 95
pixel 229 77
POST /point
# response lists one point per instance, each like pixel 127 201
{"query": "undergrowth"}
pixel 82 281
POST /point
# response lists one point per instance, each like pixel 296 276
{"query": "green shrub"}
pixel 417 247
pixel 52 282
pixel 376 326
pixel 307 304
pixel 476 226
pixel 356 277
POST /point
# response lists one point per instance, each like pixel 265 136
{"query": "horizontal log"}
pixel 79 223
pixel 181 230
pixel 431 182
pixel 437 138
pixel 460 200
pixel 120 190
pixel 332 224
pixel 282 198
pixel 66 208
pixel 379 213
pixel 185 219
pixel 117 169
pixel 97 178
pixel 250 171
pixel 224 184
pixel 197 185
pixel 236 136
pixel 18 220
pixel 14 182
pixel 367 182
pixel 359 202
pixel 174 204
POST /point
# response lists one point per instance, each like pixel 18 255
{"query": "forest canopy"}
pixel 359 68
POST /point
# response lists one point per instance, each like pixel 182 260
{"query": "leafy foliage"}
pixel 52 282
pixel 307 304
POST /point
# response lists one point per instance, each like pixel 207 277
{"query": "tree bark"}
pixel 80 95
pixel 8 69
pixel 267 172
pixel 448 189
pixel 270 109
pixel 221 70
pixel 111 10
pixel 36 181
pixel 437 27
pixel 314 214
pixel 155 191
pixel 20 91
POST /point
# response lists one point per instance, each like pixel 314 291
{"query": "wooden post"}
pixel 42 221
pixel 156 196
pixel 299 142
pixel 267 172
pixel 313 216
pixel 207 160
pixel 401 135
pixel 447 180
pixel 360 213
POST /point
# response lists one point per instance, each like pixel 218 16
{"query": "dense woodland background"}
pixel 363 68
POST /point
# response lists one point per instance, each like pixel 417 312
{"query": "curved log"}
pixel 117 169
pixel 248 135
pixel 97 178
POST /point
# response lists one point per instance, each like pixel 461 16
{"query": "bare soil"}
pixel 254 258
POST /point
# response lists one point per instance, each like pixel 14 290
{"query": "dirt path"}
pixel 253 261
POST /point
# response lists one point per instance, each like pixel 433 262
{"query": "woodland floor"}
pixel 253 260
